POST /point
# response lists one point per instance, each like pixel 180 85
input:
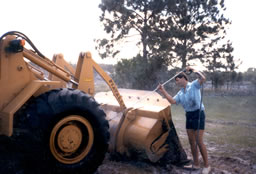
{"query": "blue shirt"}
pixel 190 97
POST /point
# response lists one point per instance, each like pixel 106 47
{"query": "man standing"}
pixel 189 97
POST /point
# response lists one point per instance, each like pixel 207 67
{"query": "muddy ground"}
pixel 223 158
pixel 219 165
pixel 241 161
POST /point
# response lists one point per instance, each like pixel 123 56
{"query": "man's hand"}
pixel 163 91
pixel 161 88
pixel 189 70
pixel 201 76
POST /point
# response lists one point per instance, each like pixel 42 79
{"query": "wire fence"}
pixel 235 89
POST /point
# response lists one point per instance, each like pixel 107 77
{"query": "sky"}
pixel 242 31
pixel 70 27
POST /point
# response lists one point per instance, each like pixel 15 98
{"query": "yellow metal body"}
pixel 84 73
pixel 18 82
pixel 140 127
pixel 59 61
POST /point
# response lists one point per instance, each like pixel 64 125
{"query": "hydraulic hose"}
pixel 23 36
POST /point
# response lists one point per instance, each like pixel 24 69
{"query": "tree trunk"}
pixel 184 55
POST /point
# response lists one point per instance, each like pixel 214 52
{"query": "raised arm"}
pixel 200 75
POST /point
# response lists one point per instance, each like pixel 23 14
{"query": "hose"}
pixel 200 107
pixel 23 36
pixel 198 125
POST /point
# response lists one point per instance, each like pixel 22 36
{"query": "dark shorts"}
pixel 192 121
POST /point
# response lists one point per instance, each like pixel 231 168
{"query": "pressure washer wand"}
pixel 145 96
pixel 184 70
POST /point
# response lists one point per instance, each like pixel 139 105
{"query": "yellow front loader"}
pixel 62 126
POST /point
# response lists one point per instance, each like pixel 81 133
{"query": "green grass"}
pixel 233 109
pixel 230 124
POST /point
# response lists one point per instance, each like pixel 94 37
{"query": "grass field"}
pixel 230 126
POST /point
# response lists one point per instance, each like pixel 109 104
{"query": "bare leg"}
pixel 192 141
pixel 192 136
pixel 202 148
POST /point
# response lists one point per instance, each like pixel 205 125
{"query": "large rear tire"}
pixel 62 131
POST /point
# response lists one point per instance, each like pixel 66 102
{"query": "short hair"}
pixel 182 74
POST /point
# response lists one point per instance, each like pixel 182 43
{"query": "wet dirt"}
pixel 224 158
pixel 219 165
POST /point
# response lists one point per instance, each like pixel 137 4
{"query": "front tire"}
pixel 67 131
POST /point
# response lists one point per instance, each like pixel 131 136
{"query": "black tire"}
pixel 62 131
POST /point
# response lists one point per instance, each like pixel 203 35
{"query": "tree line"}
pixel 172 34
pixel 243 83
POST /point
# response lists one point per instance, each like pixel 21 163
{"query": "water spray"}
pixel 145 96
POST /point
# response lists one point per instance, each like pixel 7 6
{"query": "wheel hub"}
pixel 70 138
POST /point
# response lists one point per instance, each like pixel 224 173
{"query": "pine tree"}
pixel 173 33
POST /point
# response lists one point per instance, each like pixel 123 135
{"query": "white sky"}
pixel 69 27
pixel 243 30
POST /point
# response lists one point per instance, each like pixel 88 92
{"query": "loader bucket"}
pixel 144 129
